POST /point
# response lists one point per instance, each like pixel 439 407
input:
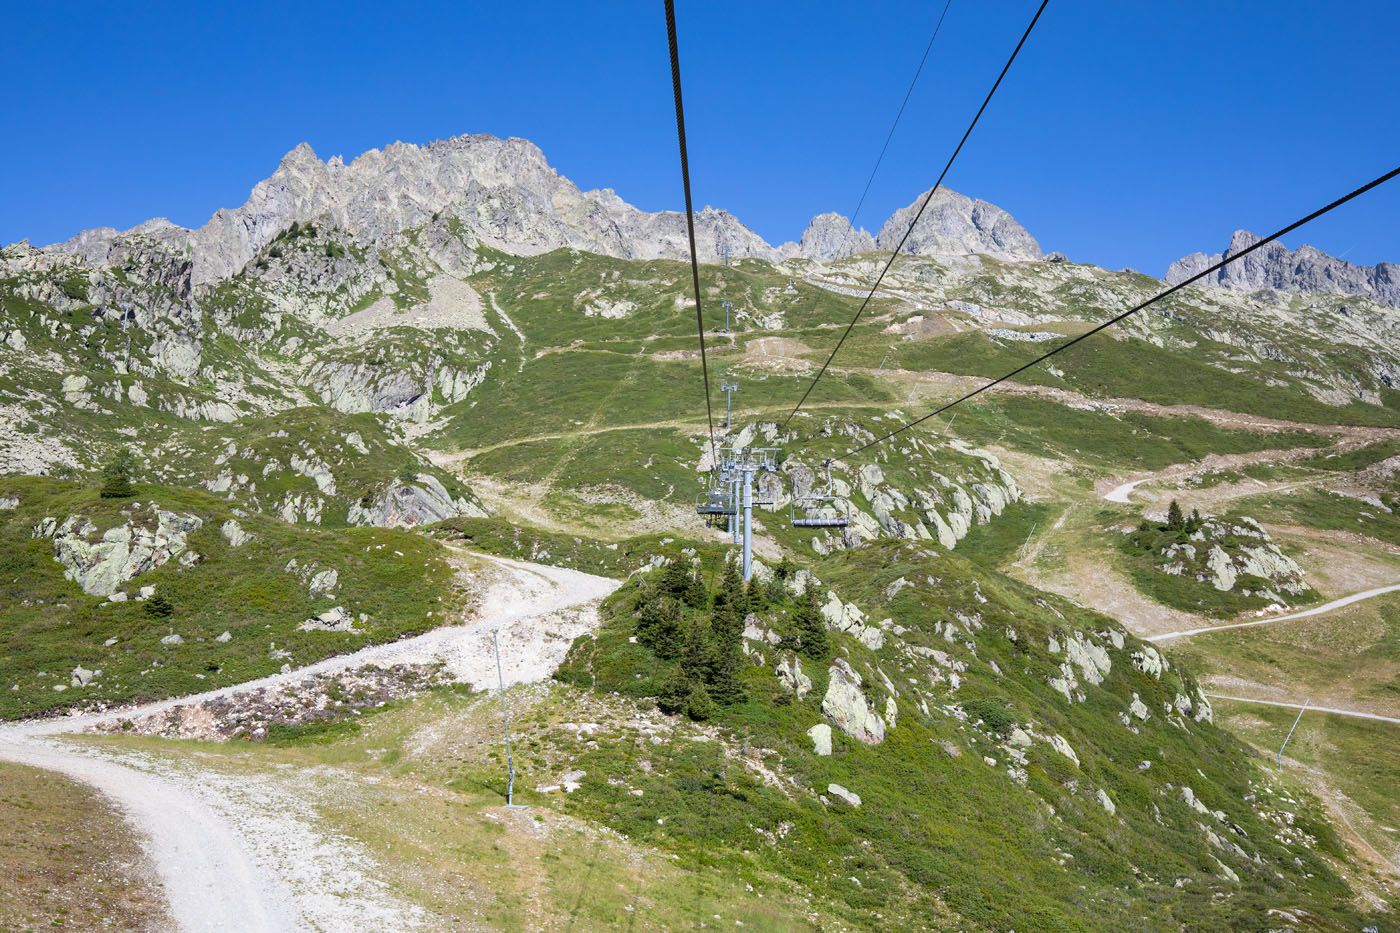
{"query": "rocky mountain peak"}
pixel 506 194
pixel 955 224
pixel 1305 269
pixel 830 236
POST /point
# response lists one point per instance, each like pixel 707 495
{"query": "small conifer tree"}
pixel 116 477
pixel 698 705
pixel 812 639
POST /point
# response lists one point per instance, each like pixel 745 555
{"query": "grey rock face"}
pixel 101 566
pixel 846 706
pixel 408 505
pixel 955 225
pixel 831 236
pixel 502 190
pixel 1306 269
pixel 505 194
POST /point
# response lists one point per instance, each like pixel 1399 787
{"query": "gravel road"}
pixel 246 853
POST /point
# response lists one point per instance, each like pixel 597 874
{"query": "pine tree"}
pixel 158 607
pixel 659 626
pixel 1195 523
pixel 675 579
pixel 731 607
pixel 1175 520
pixel 697 655
pixel 697 596
pixel 116 477
pixel 674 692
pixel 812 639
pixel 698 704
pixel 755 596
pixel 724 666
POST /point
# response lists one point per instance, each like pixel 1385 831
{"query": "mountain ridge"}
pixel 506 193
pixel 1305 269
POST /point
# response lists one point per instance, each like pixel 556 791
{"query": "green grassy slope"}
pixel 49 626
pixel 937 822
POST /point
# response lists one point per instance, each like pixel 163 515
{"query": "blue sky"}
pixel 1128 133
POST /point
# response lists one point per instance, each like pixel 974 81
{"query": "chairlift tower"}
pixel 751 461
pixel 505 719
pixel 728 306
pixel 728 387
pixel 724 254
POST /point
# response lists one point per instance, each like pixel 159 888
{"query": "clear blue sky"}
pixel 1128 133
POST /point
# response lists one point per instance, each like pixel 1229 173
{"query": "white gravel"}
pixel 245 853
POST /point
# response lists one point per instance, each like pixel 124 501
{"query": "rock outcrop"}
pixel 502 190
pixel 831 236
pixel 1305 269
pixel 846 706
pixel 504 193
pixel 956 225
pixel 408 505
pixel 100 566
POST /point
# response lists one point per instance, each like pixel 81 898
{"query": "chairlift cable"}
pixel 689 210
pixel 1355 193
pixel 919 213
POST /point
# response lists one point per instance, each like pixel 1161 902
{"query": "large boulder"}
pixel 846 706
pixel 101 565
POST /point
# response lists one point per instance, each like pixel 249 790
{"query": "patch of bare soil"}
pixel 1350 819
pixel 777 354
pixel 1095 583
pixel 1338 563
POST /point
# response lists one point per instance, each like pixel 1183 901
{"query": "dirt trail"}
pixel 246 854
pixel 1310 707
pixel 1314 611
pixel 1121 489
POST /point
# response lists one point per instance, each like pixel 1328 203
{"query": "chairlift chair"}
pixel 719 498
pixel 718 501
pixel 821 510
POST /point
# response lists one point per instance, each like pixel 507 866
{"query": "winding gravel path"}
pixel 245 853
pixel 1314 611
pixel 1310 707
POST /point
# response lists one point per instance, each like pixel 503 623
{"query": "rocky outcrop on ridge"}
pixel 1305 269
pixel 831 236
pixel 407 505
pixel 502 190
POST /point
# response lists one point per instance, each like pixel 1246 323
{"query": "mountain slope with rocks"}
pixel 240 450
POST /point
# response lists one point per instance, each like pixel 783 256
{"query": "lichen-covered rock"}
pixel 790 675
pixel 1061 745
pixel 841 793
pixel 332 620
pixel 820 734
pixel 234 534
pixel 848 709
pixel 125 551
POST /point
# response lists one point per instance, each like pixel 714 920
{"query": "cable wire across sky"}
pixel 1277 234
pixel 938 27
pixel 689 209
pixel 918 214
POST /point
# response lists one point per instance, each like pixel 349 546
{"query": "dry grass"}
pixel 67 859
